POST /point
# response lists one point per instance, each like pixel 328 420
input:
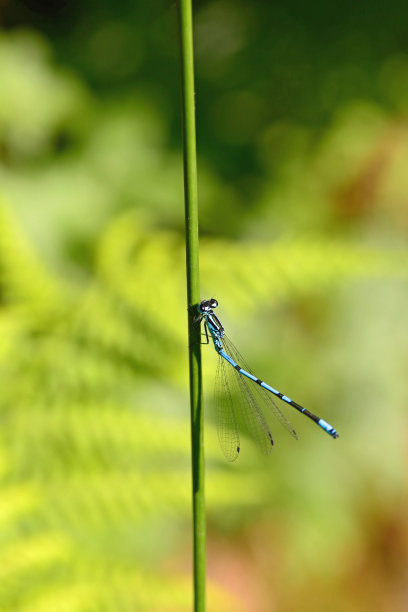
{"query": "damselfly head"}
pixel 207 305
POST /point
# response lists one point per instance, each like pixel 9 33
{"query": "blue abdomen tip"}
pixel 330 430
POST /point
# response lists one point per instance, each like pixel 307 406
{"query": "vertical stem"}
pixel 193 298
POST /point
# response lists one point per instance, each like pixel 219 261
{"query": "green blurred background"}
pixel 303 182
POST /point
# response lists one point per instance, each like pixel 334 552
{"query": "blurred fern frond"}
pixel 94 439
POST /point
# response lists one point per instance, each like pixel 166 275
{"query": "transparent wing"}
pixel 250 414
pixel 258 391
pixel 227 426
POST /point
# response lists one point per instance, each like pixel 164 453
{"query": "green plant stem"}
pixel 193 298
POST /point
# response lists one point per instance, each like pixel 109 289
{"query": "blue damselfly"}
pixel 236 399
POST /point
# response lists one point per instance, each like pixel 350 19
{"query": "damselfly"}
pixel 236 399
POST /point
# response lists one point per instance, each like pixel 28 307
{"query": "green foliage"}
pixel 37 100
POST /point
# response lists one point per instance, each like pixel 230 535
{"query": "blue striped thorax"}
pixel 213 323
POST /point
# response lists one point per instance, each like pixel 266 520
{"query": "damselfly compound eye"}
pixel 207 305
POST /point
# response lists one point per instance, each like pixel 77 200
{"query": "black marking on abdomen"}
pixel 237 367
pixel 306 412
pixel 259 381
